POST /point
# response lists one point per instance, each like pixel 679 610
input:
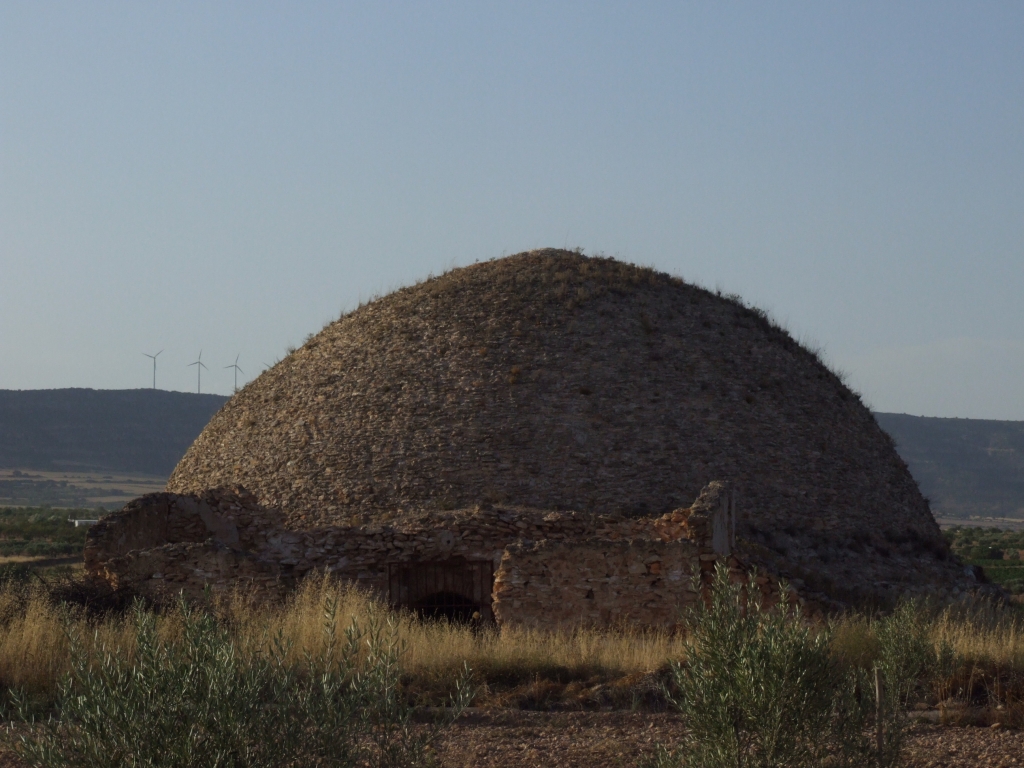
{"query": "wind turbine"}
pixel 199 371
pixel 153 358
pixel 237 369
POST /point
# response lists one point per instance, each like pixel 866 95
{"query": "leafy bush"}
pixel 760 688
pixel 985 552
pixel 910 658
pixel 985 543
pixel 203 700
pixel 40 532
pixel 906 651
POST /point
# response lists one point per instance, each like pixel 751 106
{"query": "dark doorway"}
pixel 453 589
pixel 446 605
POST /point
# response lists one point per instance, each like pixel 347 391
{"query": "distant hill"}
pixel 127 430
pixel 964 466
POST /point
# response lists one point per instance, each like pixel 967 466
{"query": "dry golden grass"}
pixel 511 661
pixel 985 638
pixel 979 678
pixel 442 646
pixel 515 667
pixel 35 644
pixel 35 639
pixel 982 634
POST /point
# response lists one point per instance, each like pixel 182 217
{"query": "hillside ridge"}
pixel 126 430
pixel 965 467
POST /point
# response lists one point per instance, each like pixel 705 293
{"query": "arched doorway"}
pixel 453 589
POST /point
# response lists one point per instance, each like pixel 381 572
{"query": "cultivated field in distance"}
pixel 93 490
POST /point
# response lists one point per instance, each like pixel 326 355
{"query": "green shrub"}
pixel 906 651
pixel 1015 586
pixel 984 552
pixel 909 659
pixel 40 532
pixel 760 688
pixel 201 700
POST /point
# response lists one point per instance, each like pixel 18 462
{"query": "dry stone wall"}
pixel 548 380
pixel 162 544
pixel 596 582
pixel 164 572
pixel 551 568
pixel 648 579
pixel 601 583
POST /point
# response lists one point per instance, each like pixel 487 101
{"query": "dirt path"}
pixel 598 739
pixel 514 739
pixel 945 747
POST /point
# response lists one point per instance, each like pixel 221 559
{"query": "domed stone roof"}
pixel 556 381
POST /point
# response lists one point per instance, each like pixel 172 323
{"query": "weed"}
pixel 204 699
pixel 760 688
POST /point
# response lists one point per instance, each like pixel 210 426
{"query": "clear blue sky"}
pixel 227 177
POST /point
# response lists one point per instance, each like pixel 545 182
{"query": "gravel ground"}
pixel 597 739
pixel 514 739
pixel 935 746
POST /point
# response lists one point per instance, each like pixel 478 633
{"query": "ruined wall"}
pixel 551 568
pixel 162 573
pixel 597 582
pixel 164 543
pixel 648 579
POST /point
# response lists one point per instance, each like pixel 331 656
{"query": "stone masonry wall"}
pixel 600 583
pixel 545 562
pixel 597 582
pixel 162 573
pixel 548 381
pixel 163 544
pixel 648 580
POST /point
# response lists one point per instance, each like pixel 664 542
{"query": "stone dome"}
pixel 556 381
